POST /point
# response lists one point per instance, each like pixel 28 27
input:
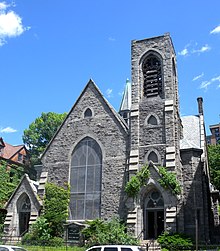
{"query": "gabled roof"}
pixel 10 151
pixel 32 187
pixel 118 118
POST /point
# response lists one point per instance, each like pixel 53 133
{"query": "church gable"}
pixel 91 144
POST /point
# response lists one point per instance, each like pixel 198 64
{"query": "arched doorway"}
pixel 24 210
pixel 153 214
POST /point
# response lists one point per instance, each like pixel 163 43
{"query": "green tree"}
pixel 40 132
pixel 214 164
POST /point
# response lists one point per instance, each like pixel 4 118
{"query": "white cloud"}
pixel 216 30
pixel 205 84
pixel 111 39
pixel 184 52
pixel 10 24
pixel 109 93
pixel 198 77
pixel 202 49
pixel 190 49
pixel 7 130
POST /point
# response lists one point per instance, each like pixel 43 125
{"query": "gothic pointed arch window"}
pixel 152 73
pixel 152 120
pixel 85 180
pixel 24 209
pixel 88 113
pixel 153 157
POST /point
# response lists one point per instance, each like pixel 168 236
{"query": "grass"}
pixel 45 248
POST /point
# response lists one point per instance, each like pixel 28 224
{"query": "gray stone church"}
pixel 97 150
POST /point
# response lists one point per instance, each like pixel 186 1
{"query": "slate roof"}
pixel 191 132
pixel 126 100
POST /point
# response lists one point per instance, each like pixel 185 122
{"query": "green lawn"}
pixel 43 248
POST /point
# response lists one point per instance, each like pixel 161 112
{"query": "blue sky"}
pixel 50 49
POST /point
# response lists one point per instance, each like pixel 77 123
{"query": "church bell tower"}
pixel 155 123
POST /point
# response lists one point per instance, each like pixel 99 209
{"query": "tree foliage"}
pixel 40 132
pixel 101 232
pixel 214 164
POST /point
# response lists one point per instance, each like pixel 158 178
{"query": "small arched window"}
pixel 153 157
pixel 88 113
pixel 152 73
pixel 152 120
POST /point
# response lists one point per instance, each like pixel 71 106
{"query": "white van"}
pixel 115 248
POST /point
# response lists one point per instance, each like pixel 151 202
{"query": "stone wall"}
pixel 109 132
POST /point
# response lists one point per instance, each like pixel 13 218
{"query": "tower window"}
pixel 153 157
pixel 152 72
pixel 87 113
pixel 152 120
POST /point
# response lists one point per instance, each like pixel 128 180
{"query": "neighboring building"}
pixel 17 155
pixel 97 150
pixel 214 138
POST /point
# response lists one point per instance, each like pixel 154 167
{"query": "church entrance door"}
pixel 153 215
pixel 154 223
pixel 24 218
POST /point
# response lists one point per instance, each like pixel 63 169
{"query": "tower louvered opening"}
pixel 152 72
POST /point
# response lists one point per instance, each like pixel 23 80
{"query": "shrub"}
pixel 101 232
pixel 56 242
pixel 39 232
pixel 175 241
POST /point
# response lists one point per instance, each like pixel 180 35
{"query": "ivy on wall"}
pixel 169 180
pixel 135 183
pixel 9 179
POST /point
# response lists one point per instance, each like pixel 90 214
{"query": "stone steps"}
pixel 150 245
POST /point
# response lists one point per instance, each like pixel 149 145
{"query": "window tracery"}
pixel 152 73
pixel 85 180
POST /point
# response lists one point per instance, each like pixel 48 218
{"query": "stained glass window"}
pixel 85 180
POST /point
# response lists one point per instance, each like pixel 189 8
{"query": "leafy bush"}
pixel 48 229
pixel 101 232
pixel 175 241
pixel 56 242
pixel 39 232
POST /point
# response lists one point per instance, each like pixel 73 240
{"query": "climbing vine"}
pixel 169 180
pixel 9 179
pixel 135 183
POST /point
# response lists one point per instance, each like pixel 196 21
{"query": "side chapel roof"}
pixel 191 132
